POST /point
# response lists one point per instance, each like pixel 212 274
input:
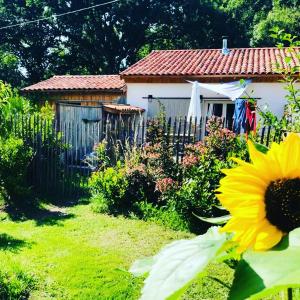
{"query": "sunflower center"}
pixel 282 199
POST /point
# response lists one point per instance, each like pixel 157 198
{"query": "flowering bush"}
pixel 195 196
pixel 190 160
pixel 264 225
pixel 222 142
pixel 165 185
pixel 159 160
pixel 141 184
pixel 153 177
pixel 193 153
pixel 143 172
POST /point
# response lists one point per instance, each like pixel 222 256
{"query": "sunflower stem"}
pixel 290 293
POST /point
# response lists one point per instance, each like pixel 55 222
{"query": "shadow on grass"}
pixel 42 216
pixel 65 201
pixel 52 218
pixel 12 244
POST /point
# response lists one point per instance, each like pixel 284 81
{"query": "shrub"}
pixel 109 187
pixel 100 204
pixel 221 142
pixel 11 103
pixel 141 184
pixel 167 215
pixel 3 194
pixel 115 188
pixel 23 127
pixel 155 126
pixel 201 173
pixel 14 160
pixel 150 184
pixel 103 160
pixel 15 284
pixel 159 160
pixel 196 195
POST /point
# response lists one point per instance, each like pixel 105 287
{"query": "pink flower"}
pixel 141 168
pixel 190 160
pixel 165 184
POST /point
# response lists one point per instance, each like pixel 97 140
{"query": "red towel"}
pixel 250 117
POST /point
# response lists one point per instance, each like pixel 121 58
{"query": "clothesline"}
pixel 232 90
pixel 201 97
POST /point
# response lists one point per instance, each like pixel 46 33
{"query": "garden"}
pixel 140 199
pixel 106 244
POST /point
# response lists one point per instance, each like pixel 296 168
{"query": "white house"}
pixel 162 76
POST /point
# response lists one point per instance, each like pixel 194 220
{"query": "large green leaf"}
pixel 142 266
pixel 179 262
pixel 217 220
pixel 262 273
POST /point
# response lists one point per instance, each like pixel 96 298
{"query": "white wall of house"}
pixel 271 94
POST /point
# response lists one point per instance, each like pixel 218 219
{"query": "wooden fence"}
pixel 60 148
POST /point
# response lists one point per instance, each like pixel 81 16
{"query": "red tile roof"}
pixel 205 62
pixel 78 82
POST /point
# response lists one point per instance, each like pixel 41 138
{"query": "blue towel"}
pixel 239 115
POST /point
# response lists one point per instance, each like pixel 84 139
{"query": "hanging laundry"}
pixel 239 115
pixel 250 117
pixel 232 90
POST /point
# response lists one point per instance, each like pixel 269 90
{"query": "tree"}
pixel 254 19
pixel 106 39
pixel 9 70
pixel 188 24
pixel 285 18
pixel 34 45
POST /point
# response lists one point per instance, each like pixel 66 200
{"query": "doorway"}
pixel 220 108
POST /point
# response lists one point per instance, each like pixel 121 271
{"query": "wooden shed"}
pixel 82 90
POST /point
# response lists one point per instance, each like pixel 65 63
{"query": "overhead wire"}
pixel 58 15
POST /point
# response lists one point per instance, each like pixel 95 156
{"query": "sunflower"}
pixel 263 197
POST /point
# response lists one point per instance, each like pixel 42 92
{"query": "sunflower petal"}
pixel 264 163
pixel 290 155
pixel 268 237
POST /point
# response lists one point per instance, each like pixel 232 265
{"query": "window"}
pixel 223 109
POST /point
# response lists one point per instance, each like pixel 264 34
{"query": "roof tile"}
pixel 201 62
pixel 79 82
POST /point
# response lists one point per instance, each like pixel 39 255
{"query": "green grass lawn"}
pixel 74 253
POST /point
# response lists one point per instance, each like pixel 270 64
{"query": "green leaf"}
pixel 179 262
pixel 219 207
pixel 287 59
pixel 262 273
pixel 216 220
pixel 261 148
pixel 142 266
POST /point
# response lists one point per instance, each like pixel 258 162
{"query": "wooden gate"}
pixel 81 127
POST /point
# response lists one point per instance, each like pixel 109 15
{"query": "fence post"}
pixel 268 136
pixel 178 140
pixel 190 128
pixel 183 138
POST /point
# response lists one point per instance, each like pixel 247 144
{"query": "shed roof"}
pixel 79 82
pixel 211 62
pixel 123 108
